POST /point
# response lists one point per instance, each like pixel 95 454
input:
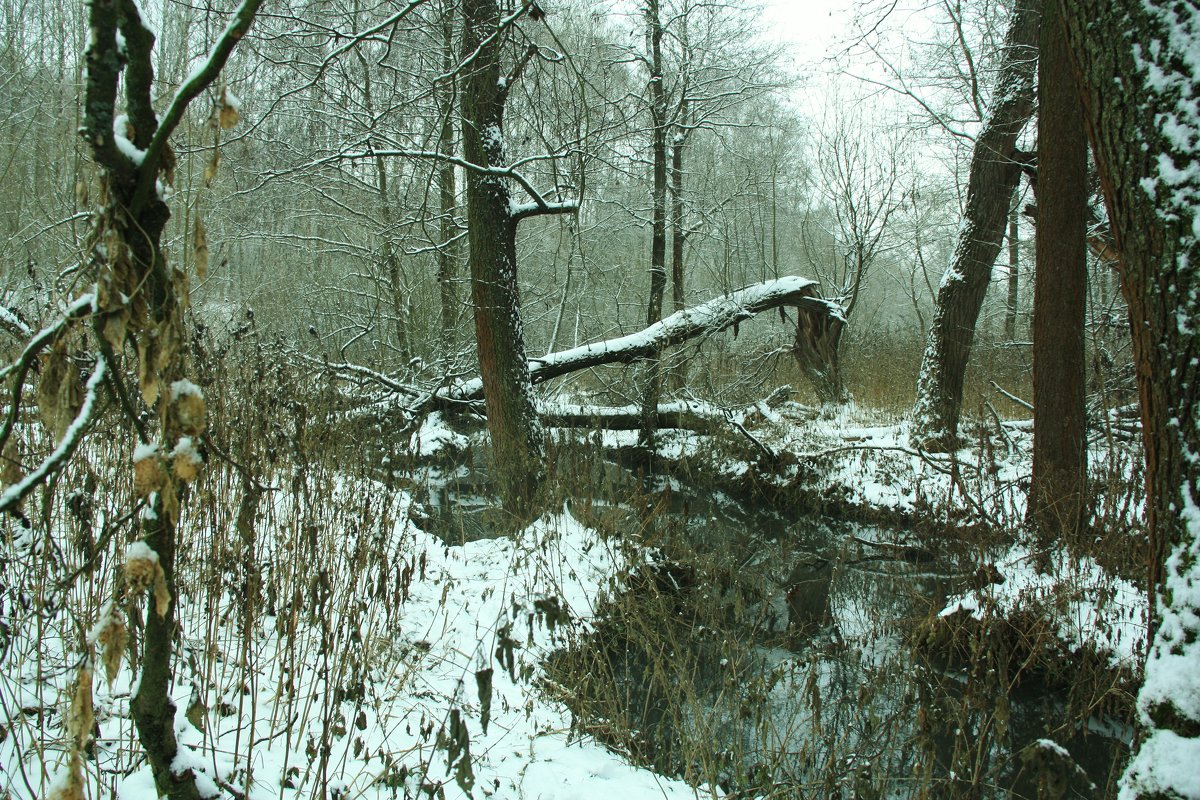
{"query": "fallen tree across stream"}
pixel 710 317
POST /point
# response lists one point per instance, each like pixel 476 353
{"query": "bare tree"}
pixel 995 170
pixel 857 182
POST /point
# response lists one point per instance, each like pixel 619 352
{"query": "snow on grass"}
pixel 358 673
pixel 1088 607
pixel 434 437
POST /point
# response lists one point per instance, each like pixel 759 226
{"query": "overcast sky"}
pixel 809 27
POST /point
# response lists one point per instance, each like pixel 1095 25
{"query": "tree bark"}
pixel 448 250
pixel 1058 492
pixel 1135 60
pixel 816 352
pixel 678 235
pixel 994 173
pixel 517 439
pixel 652 388
pixel 1014 274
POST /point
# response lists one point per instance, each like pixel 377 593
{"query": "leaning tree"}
pixel 994 173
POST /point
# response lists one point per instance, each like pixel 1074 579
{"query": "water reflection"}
pixel 776 656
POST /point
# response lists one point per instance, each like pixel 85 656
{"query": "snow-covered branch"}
pixel 709 317
pixel 13 495
pixel 200 78
pixel 12 322
pixel 82 306
pixel 539 205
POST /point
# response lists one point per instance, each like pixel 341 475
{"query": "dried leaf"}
pixel 229 109
pixel 147 371
pixel 82 197
pixel 59 395
pixel 168 165
pixel 200 248
pixel 148 476
pixel 141 570
pixel 190 410
pixel 170 503
pixel 196 711
pixel 80 716
pixel 162 597
pixel 168 336
pixel 116 326
pixel 12 471
pixel 483 685
pixel 187 467
pixel 113 640
pixel 183 287
pixel 229 117
pixel 210 169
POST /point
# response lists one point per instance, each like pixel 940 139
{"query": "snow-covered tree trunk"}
pixel 1139 66
pixel 993 177
pixel 517 439
pixel 652 386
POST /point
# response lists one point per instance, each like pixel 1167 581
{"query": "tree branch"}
pixel 199 80
pixel 12 496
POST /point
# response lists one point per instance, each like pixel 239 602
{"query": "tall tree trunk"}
pixel 994 174
pixel 1138 74
pixel 678 235
pixel 391 262
pixel 652 388
pixel 388 257
pixel 448 251
pixel 1058 492
pixel 677 375
pixel 516 433
pixel 1014 274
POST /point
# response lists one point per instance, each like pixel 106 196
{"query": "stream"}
pixel 782 656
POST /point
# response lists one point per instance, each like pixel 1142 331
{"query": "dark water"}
pixel 783 657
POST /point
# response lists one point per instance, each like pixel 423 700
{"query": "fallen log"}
pixel 626 418
pixel 692 415
pixel 813 312
pixel 709 317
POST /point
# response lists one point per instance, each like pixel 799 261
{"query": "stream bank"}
pixel 773 652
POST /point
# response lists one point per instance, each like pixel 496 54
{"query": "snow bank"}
pixel 1088 607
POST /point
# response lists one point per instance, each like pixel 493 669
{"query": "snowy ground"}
pixel 340 651
pixel 402 687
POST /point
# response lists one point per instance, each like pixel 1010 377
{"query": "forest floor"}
pixel 336 650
